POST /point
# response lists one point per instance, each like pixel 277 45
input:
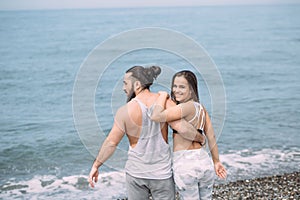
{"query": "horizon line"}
pixel 149 6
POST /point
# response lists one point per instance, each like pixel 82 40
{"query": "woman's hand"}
pixel 220 170
pixel 163 93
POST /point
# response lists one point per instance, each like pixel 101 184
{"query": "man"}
pixel 148 168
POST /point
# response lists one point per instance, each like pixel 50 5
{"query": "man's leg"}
pixel 162 189
pixel 137 188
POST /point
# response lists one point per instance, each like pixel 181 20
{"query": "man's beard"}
pixel 131 95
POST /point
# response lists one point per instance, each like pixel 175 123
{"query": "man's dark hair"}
pixel 145 75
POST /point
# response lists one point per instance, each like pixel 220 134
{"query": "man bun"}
pixel 156 71
pixel 145 75
pixel 152 72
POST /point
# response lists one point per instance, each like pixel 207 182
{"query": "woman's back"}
pixel 195 116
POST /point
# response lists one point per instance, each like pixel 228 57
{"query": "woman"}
pixel 192 166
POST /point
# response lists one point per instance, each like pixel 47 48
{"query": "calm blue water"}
pixel 256 49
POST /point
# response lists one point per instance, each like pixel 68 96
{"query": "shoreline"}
pixel 282 187
pixel 285 186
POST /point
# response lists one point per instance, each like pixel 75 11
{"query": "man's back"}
pixel 149 155
pixel 129 117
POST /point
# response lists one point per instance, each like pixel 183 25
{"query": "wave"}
pixel 111 185
pixel 250 163
pixel 242 164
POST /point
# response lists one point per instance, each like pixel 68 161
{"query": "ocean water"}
pixel 256 49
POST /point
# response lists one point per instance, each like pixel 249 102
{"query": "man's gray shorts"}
pixel 140 188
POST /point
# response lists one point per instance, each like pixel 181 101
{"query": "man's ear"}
pixel 136 85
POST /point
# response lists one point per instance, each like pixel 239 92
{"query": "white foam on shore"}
pixel 111 185
pixel 250 163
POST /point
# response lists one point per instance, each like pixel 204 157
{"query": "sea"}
pixel 256 50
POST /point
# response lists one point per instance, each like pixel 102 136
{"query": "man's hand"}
pixel 200 137
pixel 187 131
pixel 93 177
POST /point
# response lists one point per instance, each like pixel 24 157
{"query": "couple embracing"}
pixel 151 168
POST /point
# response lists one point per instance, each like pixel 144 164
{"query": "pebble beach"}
pixel 286 186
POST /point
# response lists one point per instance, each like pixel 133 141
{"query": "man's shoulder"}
pixel 128 107
pixel 131 103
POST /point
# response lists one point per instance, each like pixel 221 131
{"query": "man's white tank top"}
pixel 151 157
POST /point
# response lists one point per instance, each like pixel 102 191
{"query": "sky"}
pixel 75 4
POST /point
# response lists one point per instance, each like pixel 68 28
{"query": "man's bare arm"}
pixel 187 131
pixel 107 149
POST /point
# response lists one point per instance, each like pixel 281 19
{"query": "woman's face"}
pixel 181 89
